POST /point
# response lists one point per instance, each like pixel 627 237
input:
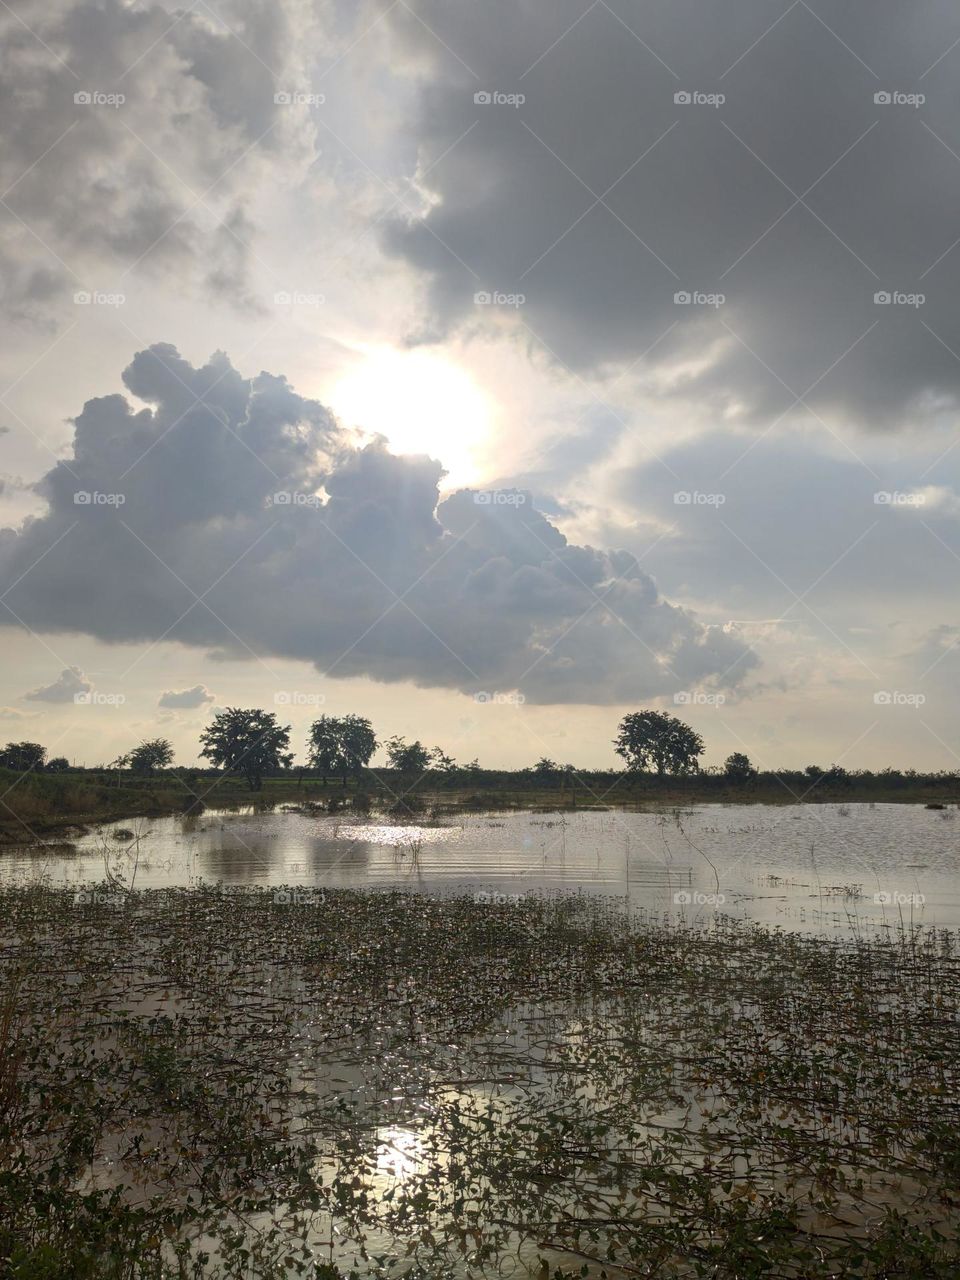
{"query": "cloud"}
pixel 137 139
pixel 798 198
pixel 932 497
pixel 233 515
pixel 934 661
pixel 198 696
pixel 67 685
pixel 14 713
pixel 780 526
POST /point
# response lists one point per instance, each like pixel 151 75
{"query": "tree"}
pixel 23 756
pixel 341 745
pixel 655 738
pixel 247 742
pixel 545 767
pixel 406 757
pixel 59 764
pixel 121 762
pixel 155 754
pixel 738 768
pixel 441 762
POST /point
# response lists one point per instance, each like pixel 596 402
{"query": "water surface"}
pixel 809 867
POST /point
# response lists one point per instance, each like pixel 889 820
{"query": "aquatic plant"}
pixel 246 1082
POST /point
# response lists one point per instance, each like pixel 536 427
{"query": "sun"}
pixel 422 403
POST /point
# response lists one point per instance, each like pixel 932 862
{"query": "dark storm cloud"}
pixel 234 515
pixel 771 523
pixel 798 198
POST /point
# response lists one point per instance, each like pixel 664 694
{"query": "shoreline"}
pixel 98 804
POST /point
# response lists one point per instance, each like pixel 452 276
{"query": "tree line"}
pixel 251 743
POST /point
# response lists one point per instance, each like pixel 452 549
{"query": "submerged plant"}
pixel 235 1082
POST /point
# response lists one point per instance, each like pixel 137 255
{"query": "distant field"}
pixel 34 805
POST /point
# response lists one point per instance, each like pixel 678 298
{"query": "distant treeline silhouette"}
pixel 250 743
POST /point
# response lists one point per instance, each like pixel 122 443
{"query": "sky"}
pixel 490 370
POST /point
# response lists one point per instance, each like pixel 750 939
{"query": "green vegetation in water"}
pixel 277 1082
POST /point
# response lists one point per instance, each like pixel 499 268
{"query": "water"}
pixel 811 868
pixel 820 868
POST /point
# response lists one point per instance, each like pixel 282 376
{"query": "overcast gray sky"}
pixel 487 369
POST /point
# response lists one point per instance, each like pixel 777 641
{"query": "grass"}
pixel 35 805
pixel 384 1084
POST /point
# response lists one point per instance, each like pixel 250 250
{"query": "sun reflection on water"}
pixel 399 1152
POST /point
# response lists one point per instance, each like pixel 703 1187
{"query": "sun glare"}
pixel 422 404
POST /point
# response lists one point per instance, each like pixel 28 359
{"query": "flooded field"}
pixel 531 1044
pixel 802 867
pixel 227 1082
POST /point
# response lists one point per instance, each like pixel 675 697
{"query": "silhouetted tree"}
pixel 23 756
pixel 655 738
pixel 738 768
pixel 546 768
pixel 408 758
pixel 249 743
pixel 342 745
pixel 121 762
pixel 59 764
pixel 155 754
pixel 441 762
